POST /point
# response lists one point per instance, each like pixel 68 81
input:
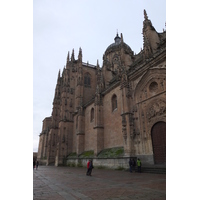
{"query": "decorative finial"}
pixel 117 38
pixel 68 57
pixel 59 74
pixel 72 56
pixel 117 33
pixel 145 15
pixel 80 54
pixel 63 70
pixel 122 40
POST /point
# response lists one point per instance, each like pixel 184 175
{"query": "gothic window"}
pixel 87 80
pixel 92 115
pixel 114 102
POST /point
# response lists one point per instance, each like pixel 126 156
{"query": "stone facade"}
pixel 114 106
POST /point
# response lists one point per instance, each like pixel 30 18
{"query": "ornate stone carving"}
pixel 71 103
pixel 98 100
pixel 63 139
pixel 116 59
pixel 123 120
pixel 124 132
pixel 157 108
pixel 107 64
pixel 131 119
pixel 162 85
pixel 135 108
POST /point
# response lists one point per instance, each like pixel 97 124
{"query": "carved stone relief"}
pixel 156 109
pixel 124 132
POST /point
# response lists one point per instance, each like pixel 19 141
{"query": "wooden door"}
pixel 158 134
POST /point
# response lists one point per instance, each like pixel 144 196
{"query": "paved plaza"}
pixel 71 183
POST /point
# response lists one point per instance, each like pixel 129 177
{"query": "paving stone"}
pixel 72 184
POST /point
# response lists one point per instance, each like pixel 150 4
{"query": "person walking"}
pixel 33 164
pixel 139 164
pixel 88 167
pixel 130 165
pixel 37 163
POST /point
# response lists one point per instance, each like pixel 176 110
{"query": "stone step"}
pixel 153 169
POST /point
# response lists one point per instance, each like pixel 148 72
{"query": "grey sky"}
pixel 60 26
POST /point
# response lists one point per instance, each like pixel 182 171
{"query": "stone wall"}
pixel 112 120
pixel 89 129
pixel 89 91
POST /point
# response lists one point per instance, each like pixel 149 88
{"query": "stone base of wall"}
pixel 42 162
pixel 146 159
pixel 112 163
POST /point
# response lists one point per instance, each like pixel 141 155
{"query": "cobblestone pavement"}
pixel 71 183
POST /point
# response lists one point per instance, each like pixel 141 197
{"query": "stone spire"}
pixel 147 22
pixel 150 37
pixel 145 15
pixel 68 57
pixel 59 74
pixel 122 39
pixel 80 55
pixel 63 71
pixel 72 56
pixel 98 64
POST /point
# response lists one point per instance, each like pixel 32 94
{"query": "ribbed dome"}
pixel 116 45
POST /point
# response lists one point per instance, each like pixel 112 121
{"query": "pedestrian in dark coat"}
pixel 133 165
pixel 37 163
pixel 33 164
pixel 90 168
pixel 130 165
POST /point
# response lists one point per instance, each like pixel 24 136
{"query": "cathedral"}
pixel 121 105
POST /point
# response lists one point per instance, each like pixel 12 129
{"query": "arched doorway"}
pixel 158 135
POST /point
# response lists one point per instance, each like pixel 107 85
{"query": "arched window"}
pixel 87 80
pixel 114 102
pixel 92 115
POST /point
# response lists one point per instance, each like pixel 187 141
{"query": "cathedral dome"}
pixel 117 45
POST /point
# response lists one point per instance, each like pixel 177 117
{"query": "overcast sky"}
pixel 61 25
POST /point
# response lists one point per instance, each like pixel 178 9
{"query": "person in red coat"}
pixel 88 167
